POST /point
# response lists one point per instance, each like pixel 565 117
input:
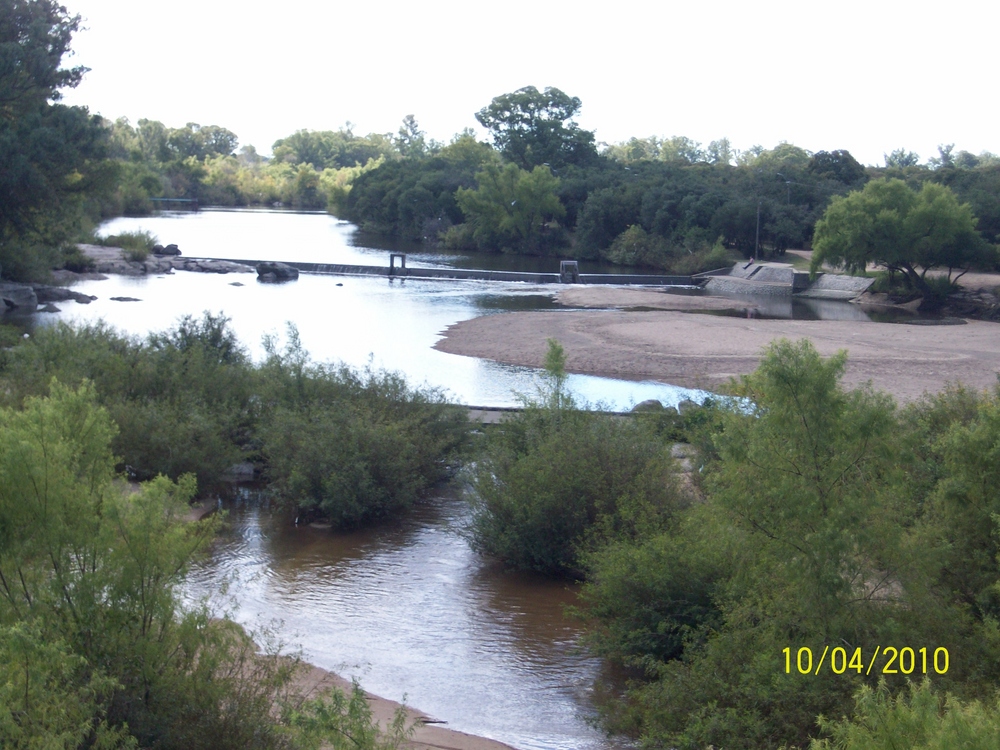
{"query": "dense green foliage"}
pixel 97 649
pixel 532 128
pixel 52 164
pixel 914 719
pixel 416 199
pixel 351 447
pixel 554 481
pixel 511 208
pixel 182 400
pixel 822 518
pixel 890 225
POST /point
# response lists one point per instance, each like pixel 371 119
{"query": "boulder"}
pixel 276 272
pixel 156 265
pixel 686 405
pixel 210 266
pixel 157 249
pixel 17 298
pixel 650 404
pixel 168 250
pixel 46 294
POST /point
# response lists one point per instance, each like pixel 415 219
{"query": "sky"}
pixel 866 76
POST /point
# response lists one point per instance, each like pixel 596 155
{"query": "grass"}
pixel 135 245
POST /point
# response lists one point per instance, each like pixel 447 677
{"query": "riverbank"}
pixel 705 351
pixel 428 734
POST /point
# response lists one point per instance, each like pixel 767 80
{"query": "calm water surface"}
pixel 408 608
pixel 354 319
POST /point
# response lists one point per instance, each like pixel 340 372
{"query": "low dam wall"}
pixel 402 272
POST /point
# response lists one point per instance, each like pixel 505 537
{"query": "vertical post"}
pixel 392 263
pixel 756 244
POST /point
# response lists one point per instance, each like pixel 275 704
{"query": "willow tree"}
pixel 888 224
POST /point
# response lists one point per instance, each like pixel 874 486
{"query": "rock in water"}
pixel 18 298
pixel 650 404
pixel 271 271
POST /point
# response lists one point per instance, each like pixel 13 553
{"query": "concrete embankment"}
pixel 781 280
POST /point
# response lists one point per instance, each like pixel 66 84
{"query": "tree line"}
pixel 541 185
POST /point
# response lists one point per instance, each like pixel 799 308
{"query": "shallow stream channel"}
pixel 408 607
pixel 413 612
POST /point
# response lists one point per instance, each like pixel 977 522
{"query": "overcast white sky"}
pixel 865 75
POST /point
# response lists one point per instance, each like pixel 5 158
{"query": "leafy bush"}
pixel 352 447
pixel 96 648
pixel 917 719
pixel 555 480
pixel 73 259
pixel 829 519
pixel 182 401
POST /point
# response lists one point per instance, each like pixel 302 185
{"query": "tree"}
pixel 945 157
pixel 50 154
pixel 837 165
pixel 511 207
pixel 531 128
pixel 411 140
pixel 34 36
pixel 720 152
pixel 902 158
pixel 889 224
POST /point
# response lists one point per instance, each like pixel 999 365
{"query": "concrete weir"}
pixel 568 273
pixel 781 280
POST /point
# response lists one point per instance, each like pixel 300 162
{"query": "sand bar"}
pixel 705 351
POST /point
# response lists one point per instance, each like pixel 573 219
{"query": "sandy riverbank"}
pixel 312 680
pixel 705 351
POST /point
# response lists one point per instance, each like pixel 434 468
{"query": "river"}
pixel 407 607
pixel 412 611
pixel 358 320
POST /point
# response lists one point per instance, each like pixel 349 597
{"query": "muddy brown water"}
pixel 412 611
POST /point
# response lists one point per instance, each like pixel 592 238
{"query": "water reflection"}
pixel 314 237
pixel 411 609
pixel 365 320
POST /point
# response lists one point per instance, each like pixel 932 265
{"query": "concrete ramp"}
pixel 836 286
pixel 781 279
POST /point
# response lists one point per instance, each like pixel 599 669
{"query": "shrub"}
pixel 917 719
pixel 555 480
pixel 96 648
pixel 73 259
pixel 352 447
pixel 136 245
pixel 182 401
